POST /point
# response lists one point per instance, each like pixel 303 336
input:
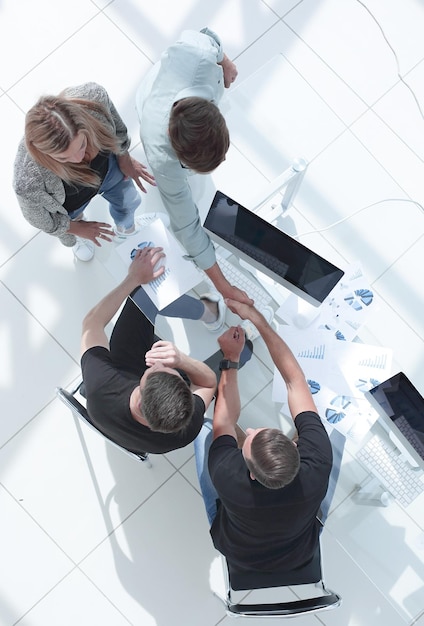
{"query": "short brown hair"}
pixel 54 121
pixel 274 459
pixel 198 134
pixel 166 402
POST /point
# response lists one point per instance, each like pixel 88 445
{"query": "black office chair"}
pixel 237 580
pixel 78 409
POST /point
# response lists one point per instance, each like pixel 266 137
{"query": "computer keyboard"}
pixel 240 279
pixel 384 461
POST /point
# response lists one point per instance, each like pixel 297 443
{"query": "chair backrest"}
pixel 78 409
pixel 238 579
pixel 242 579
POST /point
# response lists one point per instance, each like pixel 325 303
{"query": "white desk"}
pixel 274 116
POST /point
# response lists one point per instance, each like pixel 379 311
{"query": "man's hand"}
pixel 202 378
pixel 232 343
pixel 245 311
pixel 234 293
pixel 142 268
pixel 164 352
pixel 298 392
pixel 230 71
pixel 135 170
pixel 224 287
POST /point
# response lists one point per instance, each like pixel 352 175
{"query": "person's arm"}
pixel 35 211
pixel 131 168
pixel 227 405
pixel 43 209
pixel 299 395
pixel 120 127
pixel 140 272
pixel 97 232
pixel 230 71
pixel 224 287
pixel 43 212
pixel 185 223
pixel 202 378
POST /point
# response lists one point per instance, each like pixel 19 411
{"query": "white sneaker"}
pixel 219 322
pixel 121 233
pixel 144 219
pixel 83 249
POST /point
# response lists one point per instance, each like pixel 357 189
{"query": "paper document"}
pixel 338 373
pixel 180 275
pixel 345 310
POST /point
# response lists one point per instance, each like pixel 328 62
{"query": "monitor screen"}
pixel 401 405
pixel 273 252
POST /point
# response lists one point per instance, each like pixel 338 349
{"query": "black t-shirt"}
pixel 78 194
pixel 263 528
pixel 108 391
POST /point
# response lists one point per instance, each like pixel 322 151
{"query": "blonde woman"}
pixel 75 147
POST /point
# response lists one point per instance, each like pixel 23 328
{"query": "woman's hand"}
pixel 92 230
pixel 135 170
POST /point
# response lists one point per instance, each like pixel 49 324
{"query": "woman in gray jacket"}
pixel 75 147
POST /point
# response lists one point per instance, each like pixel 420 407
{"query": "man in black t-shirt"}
pixel 262 500
pixel 135 392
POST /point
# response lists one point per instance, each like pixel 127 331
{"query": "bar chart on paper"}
pixel 378 361
pixel 313 352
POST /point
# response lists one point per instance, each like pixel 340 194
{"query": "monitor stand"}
pixel 306 314
pixel 371 493
pixel 404 452
pixel 274 290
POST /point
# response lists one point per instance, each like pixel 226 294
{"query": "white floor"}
pixel 87 535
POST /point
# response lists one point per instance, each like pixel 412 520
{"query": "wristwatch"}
pixel 226 364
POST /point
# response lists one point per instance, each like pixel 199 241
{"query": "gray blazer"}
pixel 41 193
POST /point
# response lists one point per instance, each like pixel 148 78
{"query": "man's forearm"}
pixel 280 353
pixel 227 405
pixel 217 277
pixel 199 373
pixel 102 313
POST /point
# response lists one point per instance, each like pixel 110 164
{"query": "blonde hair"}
pixel 54 121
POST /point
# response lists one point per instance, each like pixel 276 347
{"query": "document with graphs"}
pixel 338 373
pixel 180 275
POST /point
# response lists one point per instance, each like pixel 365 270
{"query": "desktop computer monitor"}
pixel 401 409
pixel 270 250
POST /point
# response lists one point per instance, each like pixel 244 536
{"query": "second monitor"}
pixel 270 250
